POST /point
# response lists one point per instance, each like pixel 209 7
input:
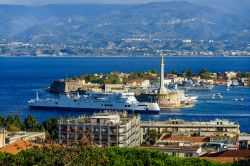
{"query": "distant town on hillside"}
pixel 178 28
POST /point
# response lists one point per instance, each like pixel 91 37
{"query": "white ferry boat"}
pixel 93 101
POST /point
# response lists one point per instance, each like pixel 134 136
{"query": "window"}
pixel 105 130
pixel 96 129
pixel 188 155
pixel 174 154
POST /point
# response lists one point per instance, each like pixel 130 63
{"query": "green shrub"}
pixel 82 155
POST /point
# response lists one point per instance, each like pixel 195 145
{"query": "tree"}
pixel 205 74
pixel 51 125
pixel 175 72
pixel 82 155
pixel 32 124
pixel 9 121
pixel 2 121
pixel 13 124
pixel 13 128
pixel 188 72
pixel 153 136
pixel 165 131
pixel 243 75
pixel 19 122
pixel 152 71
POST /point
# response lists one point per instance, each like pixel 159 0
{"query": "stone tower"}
pixel 164 98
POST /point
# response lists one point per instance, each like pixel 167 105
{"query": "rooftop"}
pixel 17 147
pixel 169 149
pixel 23 133
pixel 185 139
pixel 117 117
pixel 182 123
pixel 224 137
pixel 229 153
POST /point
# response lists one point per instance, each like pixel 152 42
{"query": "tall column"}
pixel 162 87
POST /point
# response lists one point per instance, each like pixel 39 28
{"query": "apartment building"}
pixel 103 129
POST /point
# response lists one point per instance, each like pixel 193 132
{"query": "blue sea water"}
pixel 22 77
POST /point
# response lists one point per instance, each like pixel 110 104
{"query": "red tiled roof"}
pixel 230 153
pixel 171 75
pixel 16 147
pixel 221 81
pixel 224 159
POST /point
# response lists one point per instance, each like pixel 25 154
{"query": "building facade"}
pixel 35 137
pixel 2 137
pixel 177 125
pixel 65 86
pixel 104 129
pixel 118 88
pixel 138 84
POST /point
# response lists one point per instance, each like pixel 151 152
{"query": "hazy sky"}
pixel 43 2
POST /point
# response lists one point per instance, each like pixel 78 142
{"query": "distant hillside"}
pixel 236 7
pixel 98 23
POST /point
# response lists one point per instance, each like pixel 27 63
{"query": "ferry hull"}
pixel 91 109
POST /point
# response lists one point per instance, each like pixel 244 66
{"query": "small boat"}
pixel 241 99
pixel 229 83
pixel 220 96
pixel 235 83
pixel 236 99
pixel 228 89
pixel 191 97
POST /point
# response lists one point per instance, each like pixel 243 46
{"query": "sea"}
pixel 22 77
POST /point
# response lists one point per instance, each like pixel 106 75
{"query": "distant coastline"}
pixel 122 56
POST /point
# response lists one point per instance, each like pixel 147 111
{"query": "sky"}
pixel 44 2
